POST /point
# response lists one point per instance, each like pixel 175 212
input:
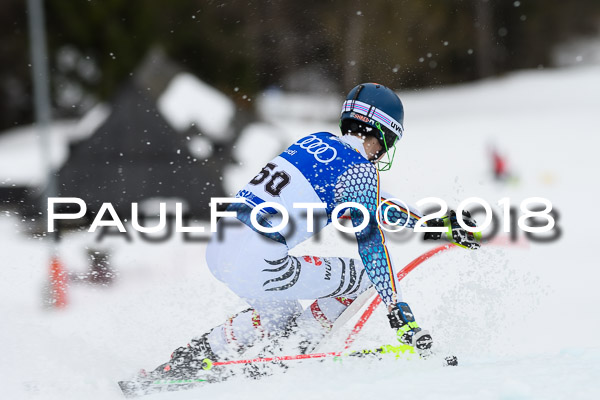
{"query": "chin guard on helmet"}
pixel 381 164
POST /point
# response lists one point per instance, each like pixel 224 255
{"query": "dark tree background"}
pixel 243 47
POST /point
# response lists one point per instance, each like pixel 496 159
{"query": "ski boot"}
pixel 407 330
pixel 189 362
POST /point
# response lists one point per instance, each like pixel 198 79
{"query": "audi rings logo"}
pixel 322 152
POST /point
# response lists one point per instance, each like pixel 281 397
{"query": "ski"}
pixel 399 351
pixel 142 387
pixel 145 386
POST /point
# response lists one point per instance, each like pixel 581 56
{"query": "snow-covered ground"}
pixel 522 319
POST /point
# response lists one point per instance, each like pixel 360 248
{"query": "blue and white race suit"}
pixel 320 168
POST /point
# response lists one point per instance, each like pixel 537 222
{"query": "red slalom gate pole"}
pixel 377 300
pixel 279 358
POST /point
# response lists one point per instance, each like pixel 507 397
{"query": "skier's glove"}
pixel 461 237
pixel 456 234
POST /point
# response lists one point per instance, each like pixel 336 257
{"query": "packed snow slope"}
pixel 521 317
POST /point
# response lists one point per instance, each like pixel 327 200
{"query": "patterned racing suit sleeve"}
pixel 397 213
pixel 360 184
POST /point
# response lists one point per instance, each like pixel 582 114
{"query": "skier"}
pixel 499 165
pixel 256 265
